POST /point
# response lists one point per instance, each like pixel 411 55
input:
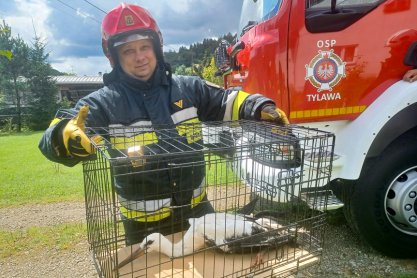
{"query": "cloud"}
pixel 90 65
pixel 29 18
pixel 79 30
pixel 198 20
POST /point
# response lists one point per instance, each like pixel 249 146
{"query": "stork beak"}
pixel 139 252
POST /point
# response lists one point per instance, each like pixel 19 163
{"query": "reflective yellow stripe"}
pixel 196 200
pixel 139 127
pixel 241 96
pixel 327 112
pixel 138 140
pixel 55 121
pixel 145 205
pixel 158 215
pixel 141 216
pixel 192 132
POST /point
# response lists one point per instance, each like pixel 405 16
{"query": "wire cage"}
pixel 218 199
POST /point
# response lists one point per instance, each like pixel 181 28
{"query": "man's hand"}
pixel 75 140
pixel 270 113
pixel 410 75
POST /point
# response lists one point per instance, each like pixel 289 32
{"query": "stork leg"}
pixel 257 262
pixel 135 254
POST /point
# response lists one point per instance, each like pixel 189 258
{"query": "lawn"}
pixel 27 177
pixel 36 239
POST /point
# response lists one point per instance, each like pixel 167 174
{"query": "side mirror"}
pixel 221 58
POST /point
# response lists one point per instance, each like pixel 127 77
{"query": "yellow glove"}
pixel 270 113
pixel 75 140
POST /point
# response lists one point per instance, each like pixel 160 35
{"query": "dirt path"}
pixel 41 215
pixel 76 262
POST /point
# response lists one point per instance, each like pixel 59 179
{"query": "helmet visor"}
pixel 131 38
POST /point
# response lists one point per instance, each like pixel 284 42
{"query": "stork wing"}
pixel 258 241
pixel 277 216
pixel 249 207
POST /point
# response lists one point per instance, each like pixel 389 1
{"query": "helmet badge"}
pixel 129 20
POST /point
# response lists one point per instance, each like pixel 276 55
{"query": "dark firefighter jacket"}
pixel 165 100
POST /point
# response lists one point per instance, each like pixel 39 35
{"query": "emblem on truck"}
pixel 325 70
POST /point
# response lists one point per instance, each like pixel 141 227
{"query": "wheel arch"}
pixel 403 122
pixel 391 115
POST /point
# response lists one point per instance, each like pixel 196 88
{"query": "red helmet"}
pixel 124 20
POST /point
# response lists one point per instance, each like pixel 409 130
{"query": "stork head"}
pixel 151 243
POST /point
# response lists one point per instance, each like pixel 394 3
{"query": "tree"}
pixel 13 71
pixel 198 53
pixel 43 91
pixel 183 70
pixel 209 71
pixel 6 53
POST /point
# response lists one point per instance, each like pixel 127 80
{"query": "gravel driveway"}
pixel 344 256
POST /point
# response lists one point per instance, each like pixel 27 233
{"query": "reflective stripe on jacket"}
pixel 155 210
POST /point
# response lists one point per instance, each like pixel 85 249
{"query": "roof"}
pixel 68 79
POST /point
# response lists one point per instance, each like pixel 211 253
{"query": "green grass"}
pixel 401 275
pixel 218 172
pixel 34 239
pixel 406 275
pixel 27 177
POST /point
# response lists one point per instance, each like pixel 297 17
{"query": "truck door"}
pixel 343 54
pixel 262 60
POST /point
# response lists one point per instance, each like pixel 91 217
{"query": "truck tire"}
pixel 348 210
pixel 384 202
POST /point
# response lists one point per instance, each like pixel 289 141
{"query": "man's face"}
pixel 137 59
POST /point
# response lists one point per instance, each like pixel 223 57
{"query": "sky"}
pixel 71 29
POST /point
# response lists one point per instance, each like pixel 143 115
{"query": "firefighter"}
pixel 142 91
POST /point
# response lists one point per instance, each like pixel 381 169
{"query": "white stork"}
pixel 228 232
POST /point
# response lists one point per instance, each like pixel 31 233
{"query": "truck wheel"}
pixel 348 210
pixel 384 202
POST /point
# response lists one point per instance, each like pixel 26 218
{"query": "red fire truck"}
pixel 337 65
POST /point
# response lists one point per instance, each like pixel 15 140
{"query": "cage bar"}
pixel 247 171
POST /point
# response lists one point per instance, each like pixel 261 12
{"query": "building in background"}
pixel 73 88
pixel 70 88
